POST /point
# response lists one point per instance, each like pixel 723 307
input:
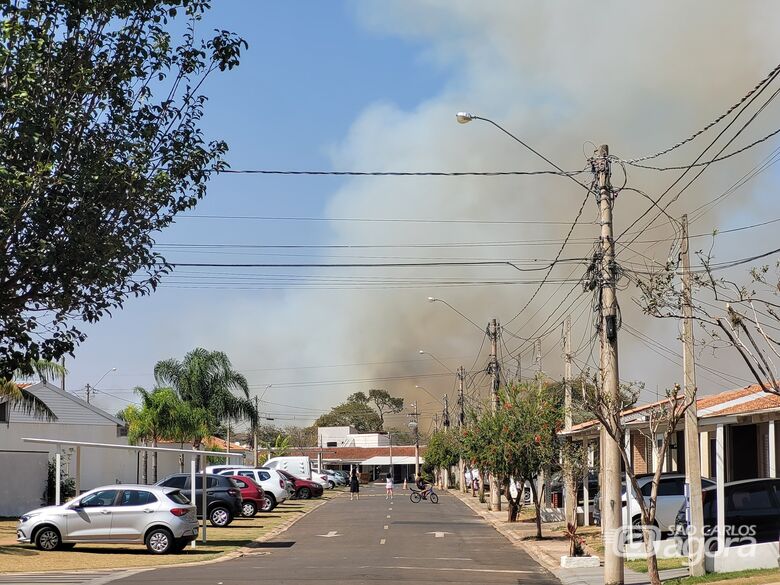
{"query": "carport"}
pixel 79 444
pixel 391 465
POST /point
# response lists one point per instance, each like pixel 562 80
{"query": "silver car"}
pixel 161 518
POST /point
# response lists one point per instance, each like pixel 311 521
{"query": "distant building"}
pixel 350 437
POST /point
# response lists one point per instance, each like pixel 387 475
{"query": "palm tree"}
pixel 206 379
pixel 137 431
pixel 159 410
pixel 26 401
pixel 190 426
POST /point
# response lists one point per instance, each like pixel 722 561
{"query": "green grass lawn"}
pixel 640 565
pixel 758 577
pixel 26 558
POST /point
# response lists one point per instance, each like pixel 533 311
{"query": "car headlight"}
pixel 25 518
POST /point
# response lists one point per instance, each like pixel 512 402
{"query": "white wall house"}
pixel 25 464
pixel 349 437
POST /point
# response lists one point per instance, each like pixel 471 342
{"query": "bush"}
pixel 67 485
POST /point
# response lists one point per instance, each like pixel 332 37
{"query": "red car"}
pixel 304 489
pixel 251 494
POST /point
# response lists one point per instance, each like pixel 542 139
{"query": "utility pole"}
pixel 88 390
pixel 416 428
pixel 692 460
pixel 538 345
pixel 570 485
pixel 610 380
pixel 62 376
pixel 446 413
pixel 461 374
pixel 495 492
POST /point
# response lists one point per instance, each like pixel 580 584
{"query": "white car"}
pixel 162 518
pixel 273 484
pixel 323 480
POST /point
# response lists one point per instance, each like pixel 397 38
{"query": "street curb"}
pixel 529 546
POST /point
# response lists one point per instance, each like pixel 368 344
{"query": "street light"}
pixel 436 300
pixel 429 393
pixel 423 352
pixel 414 428
pixel 464 117
pixel 92 388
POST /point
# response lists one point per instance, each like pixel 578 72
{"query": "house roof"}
pixel 357 454
pixel 69 408
pixel 748 400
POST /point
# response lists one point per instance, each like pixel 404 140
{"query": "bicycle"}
pixel 428 494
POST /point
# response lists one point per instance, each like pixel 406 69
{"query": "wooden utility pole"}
pixel 88 391
pixel 416 430
pixel 538 345
pixel 461 374
pixel 692 460
pixel 446 414
pixel 570 485
pixel 610 378
pixel 62 379
pixel 495 490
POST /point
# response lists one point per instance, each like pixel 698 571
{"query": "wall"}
pixel 22 490
pixel 367 440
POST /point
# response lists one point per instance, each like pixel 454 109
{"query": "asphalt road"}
pixel 372 541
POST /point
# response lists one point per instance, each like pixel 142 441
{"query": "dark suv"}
pixel 752 514
pixel 223 497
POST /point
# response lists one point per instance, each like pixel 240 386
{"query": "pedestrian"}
pixel 354 485
pixel 389 487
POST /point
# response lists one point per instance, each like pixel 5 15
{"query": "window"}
pixel 211 482
pixel 101 499
pixel 246 474
pixel 671 487
pixel 331 444
pixel 4 412
pixel 177 481
pixel 647 489
pixel 263 475
pixel 241 484
pixel 178 498
pixel 136 498
pixel 749 497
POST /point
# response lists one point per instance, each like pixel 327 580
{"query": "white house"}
pixel 350 437
pixel 25 465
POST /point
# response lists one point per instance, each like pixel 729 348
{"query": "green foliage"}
pixel 25 400
pixel 281 446
pixel 444 449
pixel 355 412
pixel 385 403
pixel 206 380
pixel 100 149
pixel 67 485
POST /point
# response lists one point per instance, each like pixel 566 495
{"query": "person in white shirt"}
pixel 389 487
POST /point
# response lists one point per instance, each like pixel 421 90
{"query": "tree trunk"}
pixel 181 458
pixel 537 506
pixel 652 561
pixel 481 486
pixel 145 466
pixel 513 507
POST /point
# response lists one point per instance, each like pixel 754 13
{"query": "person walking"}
pixel 389 487
pixel 354 485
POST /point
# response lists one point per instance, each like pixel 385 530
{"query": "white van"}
pixel 297 466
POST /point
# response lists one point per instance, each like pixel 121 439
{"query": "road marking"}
pixel 438 534
pixel 387 527
pixel 330 534
pixel 510 571
pixel 437 558
pixel 388 515
pixel 390 509
pixel 382 541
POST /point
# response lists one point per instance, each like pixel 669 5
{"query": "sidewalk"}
pixel 548 552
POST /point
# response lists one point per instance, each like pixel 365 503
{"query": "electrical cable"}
pixel 560 172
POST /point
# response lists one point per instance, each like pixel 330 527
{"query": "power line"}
pixel 373 265
pixel 696 134
pixel 373 219
pixel 559 172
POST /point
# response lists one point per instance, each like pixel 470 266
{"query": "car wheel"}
pixel 331 485
pixel 159 541
pixel 220 517
pixel 304 493
pixel 269 503
pixel 248 509
pixel 48 539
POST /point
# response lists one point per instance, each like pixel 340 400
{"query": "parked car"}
pixel 671 495
pixel 752 514
pixel 323 480
pixel 304 488
pixel 161 518
pixel 298 465
pixel 218 469
pixel 334 477
pixel 252 495
pixel 274 485
pixel 343 475
pixel 223 498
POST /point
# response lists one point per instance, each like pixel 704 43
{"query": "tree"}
pixel 207 380
pixel 385 404
pixel 662 417
pixel 444 450
pixel 158 417
pixel 21 398
pixel 301 437
pixel 100 149
pixel 354 412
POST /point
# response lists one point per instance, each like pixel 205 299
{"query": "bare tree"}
pixel 662 418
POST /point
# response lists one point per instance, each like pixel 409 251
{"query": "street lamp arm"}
pixel 434 300
pixel 430 394
pixel 441 363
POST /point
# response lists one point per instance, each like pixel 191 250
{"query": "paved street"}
pixel 373 541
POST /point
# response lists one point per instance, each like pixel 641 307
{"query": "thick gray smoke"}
pixel 636 76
